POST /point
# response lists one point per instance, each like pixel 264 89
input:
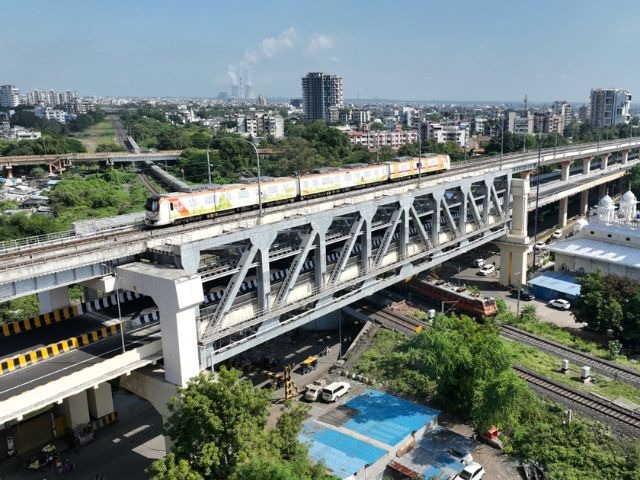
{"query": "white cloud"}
pixel 270 46
pixel 318 43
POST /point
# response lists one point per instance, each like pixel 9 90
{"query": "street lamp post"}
pixel 501 142
pixel 115 274
pixel 419 158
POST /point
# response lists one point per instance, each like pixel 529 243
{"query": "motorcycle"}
pixel 43 458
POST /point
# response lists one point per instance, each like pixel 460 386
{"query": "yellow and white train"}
pixel 173 208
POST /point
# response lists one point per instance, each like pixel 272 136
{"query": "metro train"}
pixel 170 208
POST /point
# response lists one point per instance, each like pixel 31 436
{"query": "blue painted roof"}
pixel 386 418
pixel 557 281
pixel 342 454
pixel 431 472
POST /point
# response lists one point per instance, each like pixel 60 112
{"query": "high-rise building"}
pixel 322 97
pixel 609 107
pixel 563 110
pixel 9 96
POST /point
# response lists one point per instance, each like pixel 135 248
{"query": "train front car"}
pixel 156 211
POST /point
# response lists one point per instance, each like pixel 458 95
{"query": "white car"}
pixel 559 303
pixel 557 233
pixel 478 262
pixel 538 247
pixel 334 391
pixel 473 471
pixel 487 270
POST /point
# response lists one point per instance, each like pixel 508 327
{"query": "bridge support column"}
pixel 76 409
pixel 625 156
pixel 51 300
pixel 462 212
pixel 586 165
pixel 602 190
pixel 515 245
pixel 100 400
pixel 566 171
pixel 562 212
pixel 367 212
pixel 9 170
pixel 605 161
pixel 177 294
pixel 584 202
pixel 435 219
pixel 526 175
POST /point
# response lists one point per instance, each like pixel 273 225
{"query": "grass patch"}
pixel 99 133
pixel 548 365
pixel 564 337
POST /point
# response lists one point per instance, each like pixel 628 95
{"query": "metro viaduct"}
pixel 326 253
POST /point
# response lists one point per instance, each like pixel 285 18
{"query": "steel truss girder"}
pixel 420 227
pixel 388 236
pixel 496 200
pixel 294 270
pixel 346 251
pixel 232 289
pixel 324 302
pixel 448 217
pixel 474 210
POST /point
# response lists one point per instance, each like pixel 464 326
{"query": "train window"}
pixel 171 206
pixel 151 205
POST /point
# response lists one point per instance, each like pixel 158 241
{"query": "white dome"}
pixel 606 202
pixel 629 197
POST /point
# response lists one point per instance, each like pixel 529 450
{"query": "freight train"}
pixel 173 208
pixel 456 298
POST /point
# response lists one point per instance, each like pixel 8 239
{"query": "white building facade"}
pixel 609 107
pixel 9 96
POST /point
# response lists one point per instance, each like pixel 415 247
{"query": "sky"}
pixel 490 50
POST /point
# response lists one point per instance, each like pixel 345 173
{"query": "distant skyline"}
pixel 496 50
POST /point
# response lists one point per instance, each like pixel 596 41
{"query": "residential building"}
pixel 355 116
pixel 443 133
pixel 383 138
pixel 19 133
pixel 584 113
pixel 258 124
pixel 49 113
pixel 262 101
pixel 547 122
pixel 609 107
pixel 518 124
pixel 9 96
pixel 562 109
pixel 322 97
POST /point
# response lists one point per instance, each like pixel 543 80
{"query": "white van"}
pixel 334 391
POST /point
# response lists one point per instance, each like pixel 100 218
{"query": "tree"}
pixel 503 401
pixel 633 178
pixel 529 313
pixel 170 469
pixel 218 430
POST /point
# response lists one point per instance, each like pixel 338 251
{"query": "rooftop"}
pixel 599 251
pixel 560 282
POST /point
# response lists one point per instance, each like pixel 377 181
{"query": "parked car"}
pixel 487 270
pixel 525 294
pixel 478 262
pixel 560 304
pixel 538 247
pixel 334 391
pixel 314 390
pixel 557 233
pixel 473 471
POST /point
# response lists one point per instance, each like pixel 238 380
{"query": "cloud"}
pixel 231 72
pixel 318 43
pixel 270 46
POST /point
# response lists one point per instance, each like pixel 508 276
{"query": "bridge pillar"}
pixel 9 169
pixel 602 190
pixel 486 201
pixel 586 165
pixel 526 175
pixel 76 409
pixel 515 245
pixel 177 294
pixel 54 299
pixel 367 212
pixel 562 212
pixel 435 218
pixel 625 156
pixel 100 400
pixel 566 171
pixel 605 161
pixel 584 202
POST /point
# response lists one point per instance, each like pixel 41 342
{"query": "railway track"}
pixel 604 367
pixel 147 184
pixel 393 321
pixel 627 420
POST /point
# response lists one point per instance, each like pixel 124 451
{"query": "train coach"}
pixel 177 207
